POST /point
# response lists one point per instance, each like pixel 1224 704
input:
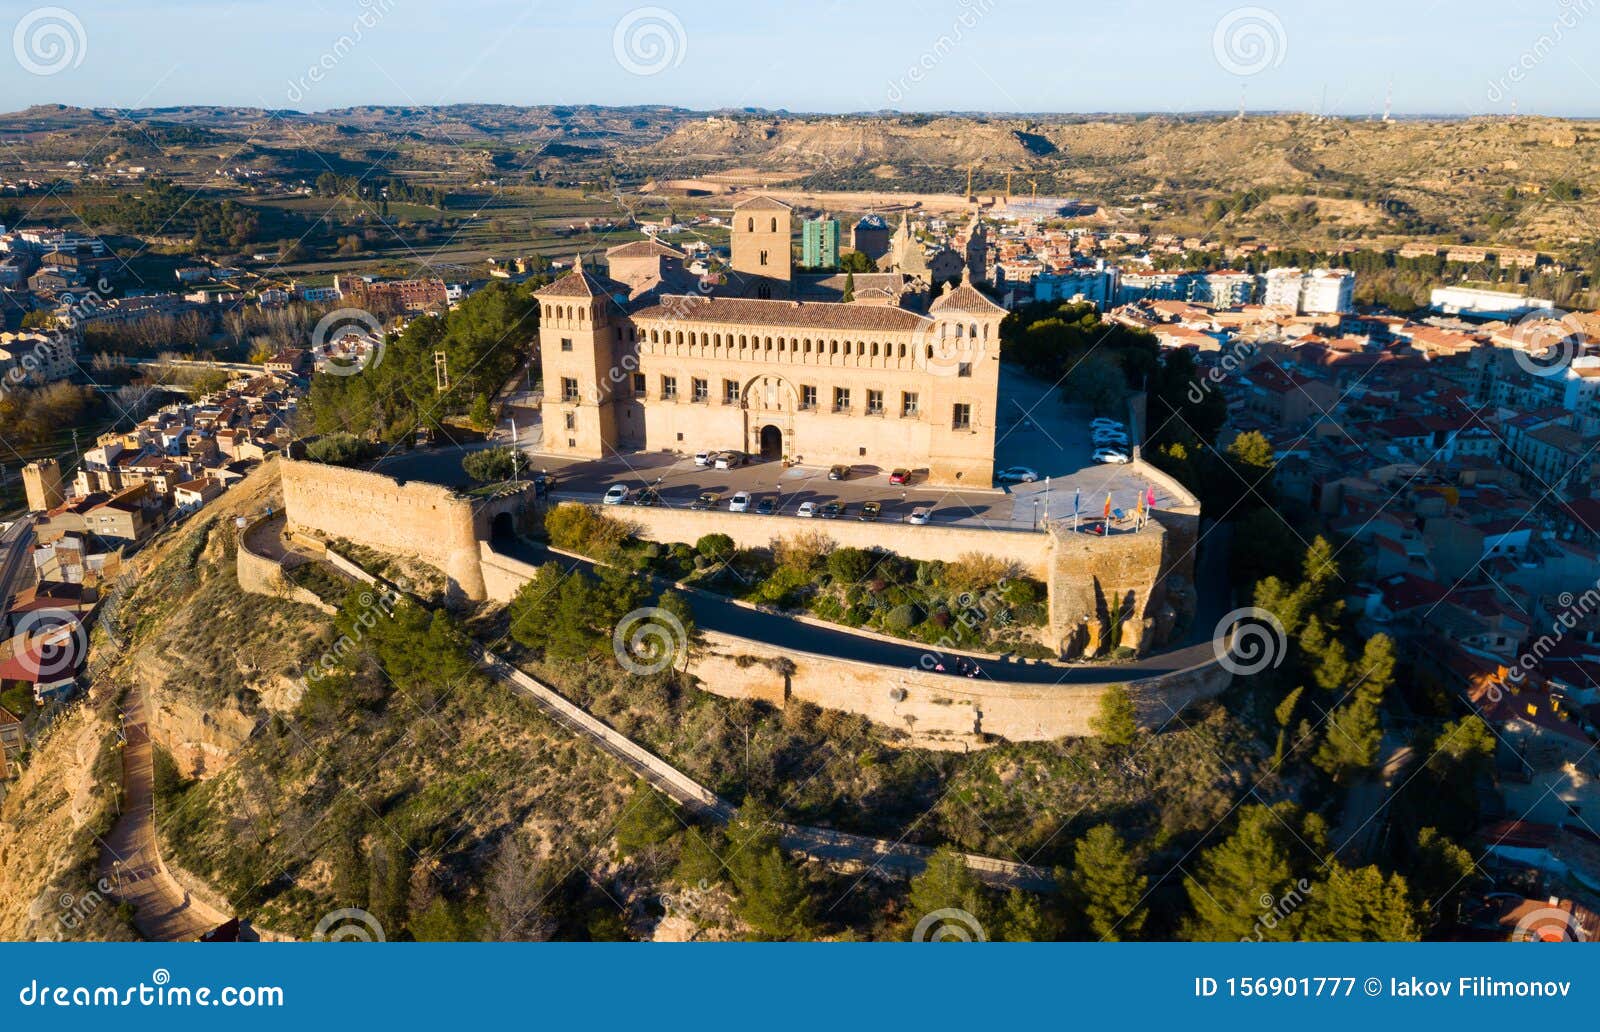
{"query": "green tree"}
pixel 947 883
pixel 1360 906
pixel 648 820
pixel 1105 886
pixel 1350 741
pixel 1233 877
pixel 1117 721
pixel 774 898
pixel 534 607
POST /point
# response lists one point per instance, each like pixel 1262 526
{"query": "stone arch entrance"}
pixel 769 406
pixel 771 442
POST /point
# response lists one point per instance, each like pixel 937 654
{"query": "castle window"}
pixel 701 389
pixel 874 349
pixel 841 399
pixel 763 257
pixel 742 340
pixel 964 369
pixel 750 225
pixel 566 343
pixel 961 416
pixel 638 385
pixel 655 336
pixel 908 404
pixel 569 389
pixel 571 421
pixel 774 223
pixel 902 350
pixel 808 396
pixel 874 403
pixel 669 388
pixel 730 392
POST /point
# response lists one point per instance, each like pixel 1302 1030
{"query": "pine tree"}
pixel 1026 918
pixel 774 898
pixel 849 287
pixel 947 884
pixel 1235 882
pixel 1351 739
pixel 1360 906
pixel 1105 886
pixel 1117 721
pixel 647 821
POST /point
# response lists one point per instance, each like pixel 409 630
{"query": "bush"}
pixel 494 464
pixel 716 547
pixel 339 449
pixel 902 618
pixel 850 565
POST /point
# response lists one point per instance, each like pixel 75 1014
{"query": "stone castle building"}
pixel 647 356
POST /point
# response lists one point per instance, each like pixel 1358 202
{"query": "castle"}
pixel 872 369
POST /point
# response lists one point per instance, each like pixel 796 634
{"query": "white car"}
pixel 1102 423
pixel 807 509
pixel 729 460
pixel 1016 475
pixel 740 502
pixel 919 516
pixel 702 458
pixel 616 495
pixel 1111 455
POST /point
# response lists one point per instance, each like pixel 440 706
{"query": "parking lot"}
pixel 1035 429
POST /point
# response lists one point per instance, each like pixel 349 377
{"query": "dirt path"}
pixel 130 862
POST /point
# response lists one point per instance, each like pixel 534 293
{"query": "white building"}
pixel 1318 292
pixel 1486 304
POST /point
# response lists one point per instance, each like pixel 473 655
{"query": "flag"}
pixel 1108 505
pixel 1075 496
pixel 1150 497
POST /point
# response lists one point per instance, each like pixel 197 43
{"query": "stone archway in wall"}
pixel 769 402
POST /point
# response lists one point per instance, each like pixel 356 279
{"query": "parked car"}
pixel 702 458
pixel 839 473
pixel 919 516
pixel 1111 455
pixel 806 510
pixel 648 497
pixel 870 511
pixel 1102 423
pixel 730 459
pixel 740 502
pixel 707 500
pixel 767 505
pixel 543 483
pixel 616 495
pixel 1016 475
pixel 900 476
pixel 1104 440
pixel 833 510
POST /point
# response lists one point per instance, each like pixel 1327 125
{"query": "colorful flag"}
pixel 1150 497
pixel 1108 505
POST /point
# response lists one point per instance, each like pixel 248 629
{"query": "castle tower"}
pixel 41 481
pixel 580 343
pixel 905 251
pixel 761 254
pixel 978 250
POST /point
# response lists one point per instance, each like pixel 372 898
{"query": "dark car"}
pixel 870 511
pixel 767 505
pixel 900 476
pixel 707 500
pixel 839 473
pixel 833 510
pixel 648 497
pixel 543 483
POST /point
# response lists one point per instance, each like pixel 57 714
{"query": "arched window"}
pixel 874 349
pixel 750 224
pixel 774 223
pixel 902 353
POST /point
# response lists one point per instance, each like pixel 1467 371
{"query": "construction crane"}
pixel 1008 187
pixel 970 195
pixel 1035 184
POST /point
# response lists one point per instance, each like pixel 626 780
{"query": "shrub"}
pixel 803 551
pixel 340 449
pixel 494 464
pixel 902 618
pixel 716 547
pixel 975 572
pixel 850 565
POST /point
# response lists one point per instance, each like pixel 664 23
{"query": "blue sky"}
pixel 1455 57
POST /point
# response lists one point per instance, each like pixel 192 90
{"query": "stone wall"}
pixel 425 521
pixel 262 575
pixel 934 710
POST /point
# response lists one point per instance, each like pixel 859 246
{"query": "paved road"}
pixel 130 860
pixel 781 631
pixel 14 554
